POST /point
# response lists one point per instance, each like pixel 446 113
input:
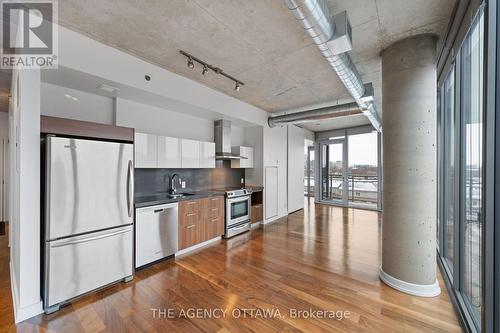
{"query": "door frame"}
pixel 345 190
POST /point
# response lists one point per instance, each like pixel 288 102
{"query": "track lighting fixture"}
pixel 190 63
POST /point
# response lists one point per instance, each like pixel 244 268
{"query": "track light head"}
pixel 237 86
pixel 190 63
pixel 205 70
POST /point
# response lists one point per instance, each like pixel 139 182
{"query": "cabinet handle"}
pixel 158 210
pixel 191 226
pixel 191 214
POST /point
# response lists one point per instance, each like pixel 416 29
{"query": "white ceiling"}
pixel 259 41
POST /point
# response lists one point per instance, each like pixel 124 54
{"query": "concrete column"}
pixel 409 162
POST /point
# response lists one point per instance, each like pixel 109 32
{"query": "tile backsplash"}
pixel 152 181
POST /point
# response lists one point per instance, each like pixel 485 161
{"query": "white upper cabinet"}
pixel 207 155
pixel 243 152
pixel 145 150
pixel 157 151
pixel 190 153
pixel 169 152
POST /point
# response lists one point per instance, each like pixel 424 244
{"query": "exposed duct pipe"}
pixel 311 115
pixel 315 18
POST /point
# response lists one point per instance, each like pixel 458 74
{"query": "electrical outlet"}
pixel 183 184
pixel 242 180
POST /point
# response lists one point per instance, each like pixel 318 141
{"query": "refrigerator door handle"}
pixel 88 239
pixel 130 188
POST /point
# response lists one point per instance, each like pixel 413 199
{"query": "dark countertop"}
pixel 161 198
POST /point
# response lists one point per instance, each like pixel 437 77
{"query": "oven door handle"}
pixel 240 199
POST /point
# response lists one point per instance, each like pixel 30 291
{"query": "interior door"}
pixel 334 171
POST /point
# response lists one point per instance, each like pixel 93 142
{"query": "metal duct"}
pixel 315 18
pixel 311 115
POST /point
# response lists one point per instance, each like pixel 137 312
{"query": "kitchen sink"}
pixel 179 195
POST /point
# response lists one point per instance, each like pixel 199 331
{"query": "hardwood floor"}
pixel 322 258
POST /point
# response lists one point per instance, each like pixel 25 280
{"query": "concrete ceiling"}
pixel 259 42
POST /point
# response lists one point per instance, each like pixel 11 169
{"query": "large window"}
pixel 350 168
pixel 461 180
pixel 449 167
pixel 471 165
pixel 363 168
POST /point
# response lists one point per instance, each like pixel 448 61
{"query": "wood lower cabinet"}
pixel 190 223
pixel 257 213
pixel 189 235
pixel 214 219
pixel 200 220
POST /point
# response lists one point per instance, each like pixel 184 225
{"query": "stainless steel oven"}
pixel 238 212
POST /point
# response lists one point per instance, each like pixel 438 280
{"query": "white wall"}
pixel 25 193
pixel 150 119
pixel 123 112
pixel 88 107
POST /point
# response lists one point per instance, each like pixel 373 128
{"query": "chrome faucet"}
pixel 172 189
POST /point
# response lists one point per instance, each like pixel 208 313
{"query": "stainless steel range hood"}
pixel 222 135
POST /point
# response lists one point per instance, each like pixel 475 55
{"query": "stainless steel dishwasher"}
pixel 156 233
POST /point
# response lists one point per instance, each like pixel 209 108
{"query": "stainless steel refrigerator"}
pixel 88 223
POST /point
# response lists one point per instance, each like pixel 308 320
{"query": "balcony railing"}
pixel 361 188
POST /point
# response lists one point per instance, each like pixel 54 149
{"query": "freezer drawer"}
pixel 76 265
pixel 156 233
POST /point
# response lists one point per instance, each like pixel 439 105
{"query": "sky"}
pixel 362 149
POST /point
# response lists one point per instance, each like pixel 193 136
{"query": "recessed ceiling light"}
pixel 108 88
